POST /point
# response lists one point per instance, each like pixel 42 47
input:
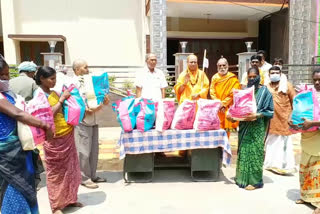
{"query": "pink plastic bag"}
pixel 146 116
pixel 165 113
pixel 244 103
pixel 74 107
pixel 40 108
pixel 185 115
pixel 125 113
pixel 305 105
pixel 207 115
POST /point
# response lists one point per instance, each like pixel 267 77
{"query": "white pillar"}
pixel 158 32
pixel 11 47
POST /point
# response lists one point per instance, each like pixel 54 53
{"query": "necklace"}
pixel 194 83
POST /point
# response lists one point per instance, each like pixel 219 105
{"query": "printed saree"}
pixel 61 158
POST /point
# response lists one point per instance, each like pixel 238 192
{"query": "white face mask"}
pixel 275 77
pixel 4 85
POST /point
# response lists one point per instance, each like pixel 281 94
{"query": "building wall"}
pixel 102 32
pixel 302 35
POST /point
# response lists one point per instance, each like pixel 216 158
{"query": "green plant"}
pixel 169 90
pixel 128 85
pixel 112 80
pixel 13 71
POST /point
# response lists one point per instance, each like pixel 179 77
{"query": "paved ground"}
pixel 173 191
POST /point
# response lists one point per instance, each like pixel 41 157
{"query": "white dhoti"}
pixel 279 154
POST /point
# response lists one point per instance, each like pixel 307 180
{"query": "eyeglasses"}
pixel 224 65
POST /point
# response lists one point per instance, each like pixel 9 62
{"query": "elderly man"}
pixel 24 85
pixel 255 61
pixel 279 155
pixel 151 82
pixel 192 83
pixel 222 84
pixel 87 133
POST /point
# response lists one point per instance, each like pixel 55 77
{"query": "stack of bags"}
pixel 143 114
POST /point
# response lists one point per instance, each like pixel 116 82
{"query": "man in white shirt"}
pixel 265 66
pixel 151 82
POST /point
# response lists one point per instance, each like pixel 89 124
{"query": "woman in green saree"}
pixel 252 134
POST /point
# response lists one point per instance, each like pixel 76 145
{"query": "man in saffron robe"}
pixel 192 83
pixel 222 85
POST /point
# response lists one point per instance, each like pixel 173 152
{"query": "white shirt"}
pixel 151 83
pixel 265 68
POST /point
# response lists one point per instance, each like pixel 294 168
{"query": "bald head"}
pixel 151 60
pixel 80 67
pixel 192 61
pixel 222 66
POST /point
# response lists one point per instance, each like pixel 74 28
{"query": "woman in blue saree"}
pixel 252 134
pixel 18 192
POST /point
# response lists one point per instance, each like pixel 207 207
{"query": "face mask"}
pixel 4 85
pixel 255 82
pixel 275 77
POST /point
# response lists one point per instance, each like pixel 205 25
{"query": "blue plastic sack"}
pixel 125 113
pixel 100 86
pixel 302 108
pixel 95 88
pixel 74 107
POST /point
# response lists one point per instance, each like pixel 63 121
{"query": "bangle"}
pixel 60 102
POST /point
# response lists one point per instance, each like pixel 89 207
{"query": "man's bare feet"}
pixel 250 187
pixel 58 212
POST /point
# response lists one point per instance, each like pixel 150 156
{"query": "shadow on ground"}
pixel 88 199
pixel 112 177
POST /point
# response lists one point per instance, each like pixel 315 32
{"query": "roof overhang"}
pixel 225 10
pixel 37 37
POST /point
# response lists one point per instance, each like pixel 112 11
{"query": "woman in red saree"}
pixel 63 170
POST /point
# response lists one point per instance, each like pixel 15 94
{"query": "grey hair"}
pixel 149 55
pixel 77 63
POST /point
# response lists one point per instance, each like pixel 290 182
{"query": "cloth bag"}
pixel 146 114
pixel 165 114
pixel 74 107
pixel 207 115
pixel 305 105
pixel 125 113
pixel 24 131
pixel 185 115
pixel 95 89
pixel 244 103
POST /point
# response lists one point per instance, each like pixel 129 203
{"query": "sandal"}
pixel 300 201
pixel 250 187
pixel 99 180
